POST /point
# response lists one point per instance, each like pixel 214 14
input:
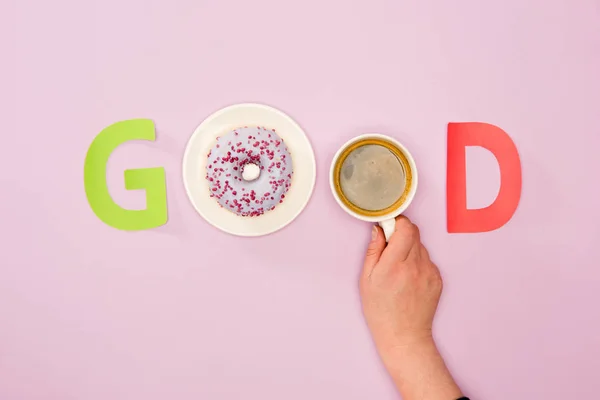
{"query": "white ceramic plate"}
pixel 225 120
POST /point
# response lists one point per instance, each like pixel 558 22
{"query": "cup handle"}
pixel 388 226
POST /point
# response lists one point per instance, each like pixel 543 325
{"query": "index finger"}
pixel 404 238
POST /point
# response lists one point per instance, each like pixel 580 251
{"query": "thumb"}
pixel 374 250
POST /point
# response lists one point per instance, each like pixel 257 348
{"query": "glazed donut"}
pixel 249 170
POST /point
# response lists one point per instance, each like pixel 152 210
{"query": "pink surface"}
pixel 91 313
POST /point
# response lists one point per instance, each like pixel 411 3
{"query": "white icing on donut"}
pixel 230 170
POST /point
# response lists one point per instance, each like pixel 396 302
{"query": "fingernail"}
pixel 374 233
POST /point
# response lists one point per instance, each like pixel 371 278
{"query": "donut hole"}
pixel 250 172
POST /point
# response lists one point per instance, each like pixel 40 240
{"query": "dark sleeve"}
pixel 463 398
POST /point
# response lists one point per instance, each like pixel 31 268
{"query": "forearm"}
pixel 420 373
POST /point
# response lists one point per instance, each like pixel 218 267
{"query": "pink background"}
pixel 186 312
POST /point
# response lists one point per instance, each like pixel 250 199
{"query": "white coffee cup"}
pixel 385 218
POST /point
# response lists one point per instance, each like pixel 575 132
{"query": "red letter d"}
pixel 494 139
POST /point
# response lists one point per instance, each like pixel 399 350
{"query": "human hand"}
pixel 400 289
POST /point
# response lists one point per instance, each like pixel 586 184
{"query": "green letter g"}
pixel 150 179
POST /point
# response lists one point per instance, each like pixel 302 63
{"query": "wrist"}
pixel 404 350
pixel 393 347
pixel 419 371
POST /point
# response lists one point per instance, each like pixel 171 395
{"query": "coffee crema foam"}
pixel 372 177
